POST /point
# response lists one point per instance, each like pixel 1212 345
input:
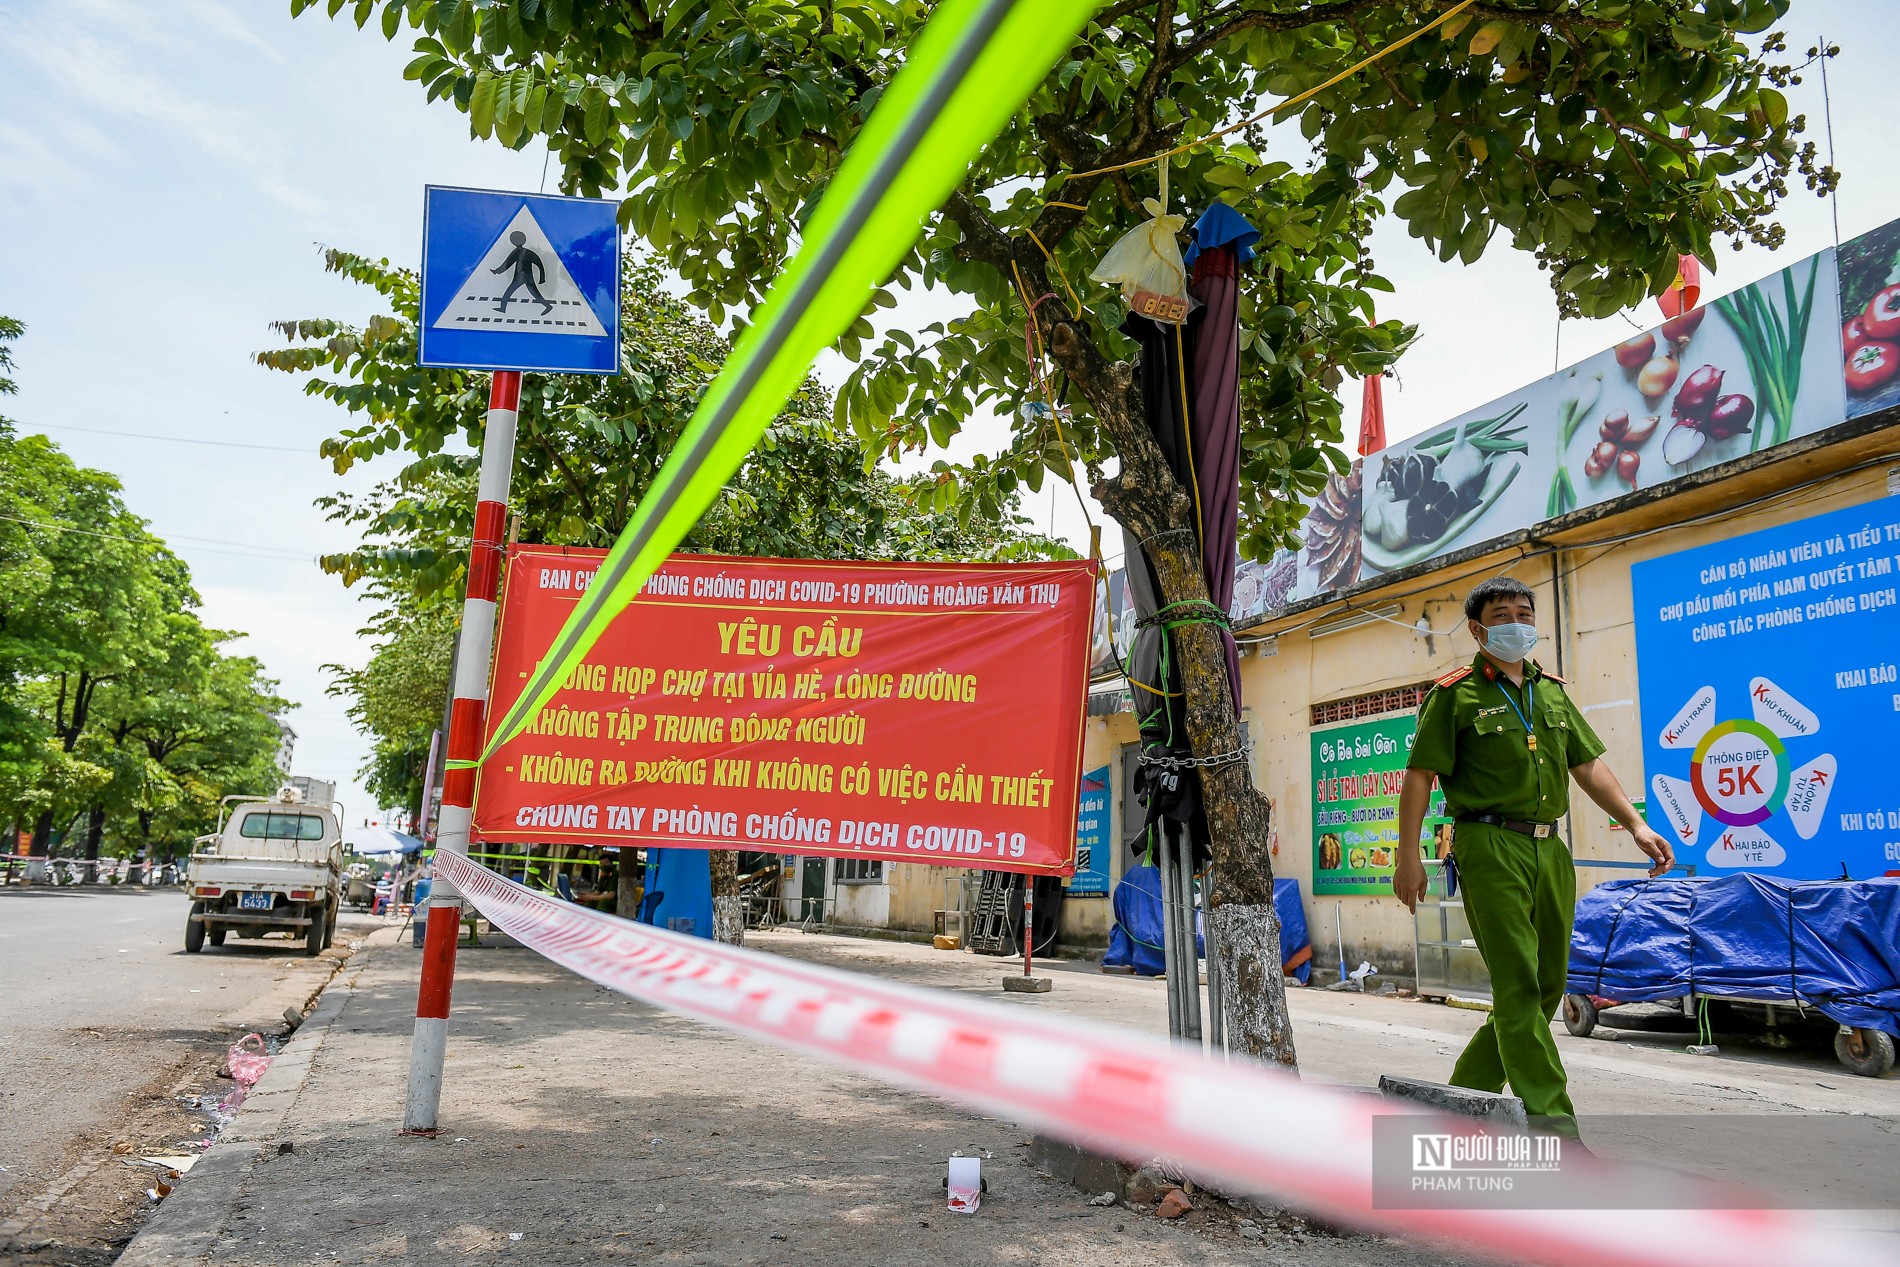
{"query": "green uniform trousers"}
pixel 1520 897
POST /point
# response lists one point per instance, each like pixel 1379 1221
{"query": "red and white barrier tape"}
pixel 1242 1126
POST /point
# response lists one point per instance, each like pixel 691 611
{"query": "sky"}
pixel 169 173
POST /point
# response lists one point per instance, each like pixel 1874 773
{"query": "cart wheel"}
pixel 1867 1052
pixel 1580 1014
pixel 195 931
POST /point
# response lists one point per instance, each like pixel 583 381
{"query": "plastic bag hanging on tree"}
pixel 1147 264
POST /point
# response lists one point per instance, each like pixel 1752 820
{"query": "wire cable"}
pixel 238 547
pixel 146 435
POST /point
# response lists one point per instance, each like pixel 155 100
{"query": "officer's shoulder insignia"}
pixel 1552 676
pixel 1455 676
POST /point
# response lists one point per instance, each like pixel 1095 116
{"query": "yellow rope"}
pixel 1075 305
pixel 1308 95
pixel 1062 440
pixel 1187 437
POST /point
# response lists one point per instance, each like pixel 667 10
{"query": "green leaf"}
pixel 458 28
pixel 1774 107
pixel 763 107
pixel 596 114
pixel 1698 32
pixel 1581 215
pixel 1471 244
pixel 481 105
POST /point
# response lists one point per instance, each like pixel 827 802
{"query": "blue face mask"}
pixel 1510 643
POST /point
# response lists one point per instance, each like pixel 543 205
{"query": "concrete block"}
pixel 1026 985
pixel 1072 1164
pixel 1499 1110
pixel 1096 1173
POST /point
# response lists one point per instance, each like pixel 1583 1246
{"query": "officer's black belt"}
pixel 1535 830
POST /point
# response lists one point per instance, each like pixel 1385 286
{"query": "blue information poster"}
pixel 1771 696
pixel 1091 828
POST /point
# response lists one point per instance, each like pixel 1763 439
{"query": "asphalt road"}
pixel 104 1021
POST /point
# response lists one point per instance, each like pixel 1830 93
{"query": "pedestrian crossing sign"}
pixel 519 282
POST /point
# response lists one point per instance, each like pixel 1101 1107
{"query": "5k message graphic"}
pixel 1747 777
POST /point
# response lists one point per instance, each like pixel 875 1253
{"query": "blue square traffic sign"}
pixel 519 282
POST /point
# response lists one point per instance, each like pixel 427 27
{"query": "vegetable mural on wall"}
pixel 1869 270
pixel 1432 492
pixel 1751 370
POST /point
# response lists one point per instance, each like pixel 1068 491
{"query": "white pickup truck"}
pixel 275 866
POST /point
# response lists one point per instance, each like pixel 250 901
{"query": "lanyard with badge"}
pixel 1530 698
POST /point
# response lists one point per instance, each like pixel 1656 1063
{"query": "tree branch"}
pixel 1385 72
pixel 1342 10
pixel 567 475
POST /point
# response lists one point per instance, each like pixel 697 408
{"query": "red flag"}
pixel 1683 293
pixel 1372 418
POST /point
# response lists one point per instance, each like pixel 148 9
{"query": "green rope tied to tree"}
pixel 1202 612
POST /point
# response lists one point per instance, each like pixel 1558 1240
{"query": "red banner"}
pixel 913 712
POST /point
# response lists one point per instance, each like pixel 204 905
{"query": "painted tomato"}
pixel 1882 319
pixel 1853 334
pixel 1870 366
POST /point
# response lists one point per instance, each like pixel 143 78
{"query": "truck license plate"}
pixel 255 901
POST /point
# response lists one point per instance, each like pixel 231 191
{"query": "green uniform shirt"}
pixel 1471 737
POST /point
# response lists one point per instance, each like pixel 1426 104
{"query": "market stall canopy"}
pixel 374 841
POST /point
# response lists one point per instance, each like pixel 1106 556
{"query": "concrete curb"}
pixel 186 1228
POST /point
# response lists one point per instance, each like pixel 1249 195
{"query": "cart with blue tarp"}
pixel 1788 950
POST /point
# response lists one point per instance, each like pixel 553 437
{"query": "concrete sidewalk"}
pixel 581 1127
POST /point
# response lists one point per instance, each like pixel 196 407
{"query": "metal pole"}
pixel 421 830
pixel 1190 954
pixel 1827 113
pixel 1029 920
pixel 1170 929
pixel 472 650
pixel 1216 1013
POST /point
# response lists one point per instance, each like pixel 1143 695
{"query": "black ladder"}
pixel 991 931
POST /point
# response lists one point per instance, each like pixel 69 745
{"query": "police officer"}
pixel 1503 740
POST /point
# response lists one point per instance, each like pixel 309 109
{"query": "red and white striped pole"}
pixel 466 713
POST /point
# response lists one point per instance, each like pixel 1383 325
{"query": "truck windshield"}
pixel 276 825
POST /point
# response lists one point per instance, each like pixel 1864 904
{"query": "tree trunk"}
pixel 95 832
pixel 728 906
pixel 1145 498
pixel 629 886
pixel 40 847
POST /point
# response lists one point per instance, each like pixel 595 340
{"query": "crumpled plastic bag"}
pixel 247 1060
pixel 1147 264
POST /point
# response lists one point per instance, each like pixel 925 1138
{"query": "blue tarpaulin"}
pixel 679 891
pixel 1832 945
pixel 1136 937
